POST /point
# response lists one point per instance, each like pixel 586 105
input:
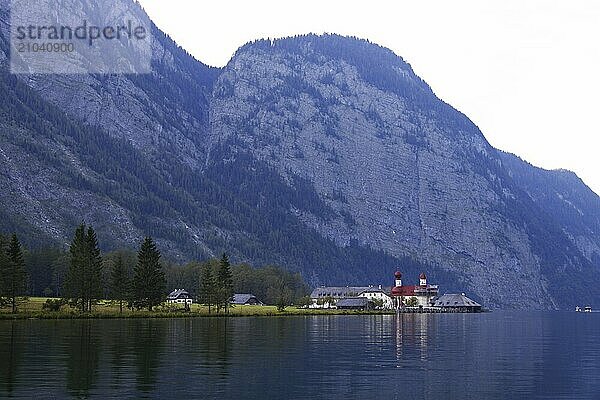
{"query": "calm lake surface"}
pixel 499 355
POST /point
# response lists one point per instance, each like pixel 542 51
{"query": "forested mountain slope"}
pixel 325 154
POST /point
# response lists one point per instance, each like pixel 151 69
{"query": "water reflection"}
pixel 409 356
pixel 415 332
pixel 148 344
pixel 11 353
pixel 83 348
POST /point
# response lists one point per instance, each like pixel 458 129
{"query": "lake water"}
pixel 499 355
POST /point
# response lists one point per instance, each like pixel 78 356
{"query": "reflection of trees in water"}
pixel 215 341
pixel 118 341
pixel 149 338
pixel 83 348
pixel 12 347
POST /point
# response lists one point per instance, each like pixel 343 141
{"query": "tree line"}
pixel 81 276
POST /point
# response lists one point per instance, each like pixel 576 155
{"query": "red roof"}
pixel 403 290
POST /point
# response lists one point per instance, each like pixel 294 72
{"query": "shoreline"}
pixel 32 309
pixel 170 315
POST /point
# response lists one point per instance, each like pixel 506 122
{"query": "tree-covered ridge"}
pixel 376 64
pixel 225 196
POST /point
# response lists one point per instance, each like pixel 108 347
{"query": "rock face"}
pixel 324 153
pixel 403 171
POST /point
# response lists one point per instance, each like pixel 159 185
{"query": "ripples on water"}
pixel 414 356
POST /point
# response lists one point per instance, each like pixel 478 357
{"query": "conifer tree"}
pixel 96 288
pixel 84 278
pixel 3 268
pixel 207 287
pixel 120 282
pixel 224 284
pixel 74 285
pixel 12 273
pixel 149 282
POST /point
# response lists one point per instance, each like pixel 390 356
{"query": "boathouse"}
pixel 355 303
pixel 457 303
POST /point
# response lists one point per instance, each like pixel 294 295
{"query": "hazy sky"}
pixel 527 72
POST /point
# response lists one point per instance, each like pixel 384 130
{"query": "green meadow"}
pixel 32 308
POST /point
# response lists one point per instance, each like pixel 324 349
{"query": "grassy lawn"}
pixel 32 308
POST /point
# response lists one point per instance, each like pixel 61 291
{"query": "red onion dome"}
pixel 422 276
pixel 398 274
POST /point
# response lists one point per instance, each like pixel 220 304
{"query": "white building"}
pixel 179 296
pixel 379 294
pixel 421 295
pixel 328 296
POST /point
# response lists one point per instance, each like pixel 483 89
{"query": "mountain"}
pixel 325 154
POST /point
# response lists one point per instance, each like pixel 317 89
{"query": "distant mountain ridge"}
pixel 326 154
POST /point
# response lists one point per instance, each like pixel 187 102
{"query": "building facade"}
pixel 329 296
pixel 457 303
pixel 179 296
pixel 379 296
pixel 421 295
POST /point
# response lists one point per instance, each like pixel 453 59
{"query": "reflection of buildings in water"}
pixel 423 325
pixel 413 331
pixel 399 335
pixel 377 327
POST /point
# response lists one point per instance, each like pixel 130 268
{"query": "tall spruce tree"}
pixel 96 287
pixel 224 284
pixel 120 282
pixel 13 276
pixel 84 278
pixel 3 268
pixel 149 283
pixel 74 284
pixel 207 287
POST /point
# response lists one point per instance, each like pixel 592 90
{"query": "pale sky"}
pixel 527 72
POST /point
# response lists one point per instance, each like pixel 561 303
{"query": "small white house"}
pixel 179 296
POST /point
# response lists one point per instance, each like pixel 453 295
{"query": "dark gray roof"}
pixel 243 298
pixel 455 300
pixel 174 295
pixel 384 289
pixel 353 302
pixel 338 291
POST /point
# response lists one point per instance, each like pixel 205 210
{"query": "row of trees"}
pixel 216 289
pixel 82 275
pixel 84 281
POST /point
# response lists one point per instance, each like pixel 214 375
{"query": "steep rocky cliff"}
pixel 402 171
pixel 326 154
